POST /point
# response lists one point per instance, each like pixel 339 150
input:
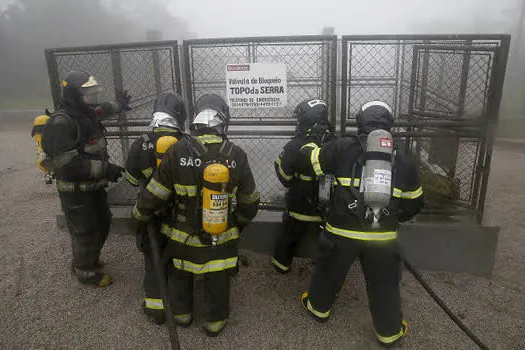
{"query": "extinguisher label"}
pixel 385 142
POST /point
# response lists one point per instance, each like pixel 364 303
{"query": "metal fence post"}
pixel 119 87
pixel 496 91
pixel 54 79
pixel 344 82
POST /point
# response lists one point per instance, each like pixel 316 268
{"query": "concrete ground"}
pixel 42 305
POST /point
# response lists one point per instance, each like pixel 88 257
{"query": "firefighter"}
pixel 302 207
pixel 76 152
pixel 349 235
pixel 144 156
pixel 199 176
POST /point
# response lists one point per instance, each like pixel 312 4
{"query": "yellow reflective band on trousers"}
pixel 249 198
pixel 65 186
pixel 281 171
pixel 314 159
pixel 393 338
pixel 158 190
pixel 154 304
pixel 347 181
pixel 194 241
pixel 407 194
pixel 365 236
pixel 279 265
pixel 315 312
pixel 131 179
pixel 139 216
pixel 183 190
pixel 215 326
pixel 209 139
pixel 302 217
pixel 147 172
pixel 210 266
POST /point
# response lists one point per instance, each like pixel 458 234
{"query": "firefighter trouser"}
pixel 88 220
pixel 382 269
pixel 153 295
pixel 288 239
pixel 216 288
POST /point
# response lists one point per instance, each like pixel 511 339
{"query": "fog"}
pixel 27 27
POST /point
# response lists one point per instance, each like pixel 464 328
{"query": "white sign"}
pixel 256 85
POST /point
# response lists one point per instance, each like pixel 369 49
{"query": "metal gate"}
pixel 311 63
pixel 445 91
pixel 144 69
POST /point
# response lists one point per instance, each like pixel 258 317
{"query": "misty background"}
pixel 27 27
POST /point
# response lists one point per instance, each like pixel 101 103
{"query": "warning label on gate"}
pixel 256 85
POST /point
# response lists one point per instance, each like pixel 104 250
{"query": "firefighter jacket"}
pixel 76 148
pixel 144 154
pixel 178 182
pixel 346 215
pixel 302 194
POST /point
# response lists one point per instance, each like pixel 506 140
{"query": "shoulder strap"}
pixel 71 121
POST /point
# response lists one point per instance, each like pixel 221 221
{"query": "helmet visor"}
pixel 91 95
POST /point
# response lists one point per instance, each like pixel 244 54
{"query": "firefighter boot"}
pixel 389 342
pixel 213 329
pixel 154 310
pixel 320 317
pixel 97 279
pixel 183 320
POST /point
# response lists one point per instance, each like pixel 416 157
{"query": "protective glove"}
pixel 114 172
pixel 123 98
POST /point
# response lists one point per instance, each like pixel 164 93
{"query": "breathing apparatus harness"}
pixel 213 204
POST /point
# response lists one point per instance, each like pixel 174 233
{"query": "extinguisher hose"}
pixel 441 304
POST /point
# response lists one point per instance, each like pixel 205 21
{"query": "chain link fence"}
pixel 143 69
pixel 445 91
pixel 262 132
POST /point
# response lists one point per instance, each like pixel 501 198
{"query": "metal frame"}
pixel 482 129
pixel 251 42
pixel 427 126
pixel 114 50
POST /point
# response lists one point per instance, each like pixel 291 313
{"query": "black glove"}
pixel 114 172
pixel 123 98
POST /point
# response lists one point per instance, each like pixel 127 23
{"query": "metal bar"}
pixel 233 122
pixel 396 80
pixel 333 77
pixel 344 81
pixel 424 79
pixel 111 47
pixel 118 84
pixel 432 123
pixel 401 77
pixel 268 39
pixel 448 48
pixel 498 79
pixel 54 79
pixel 500 37
pixel 411 98
pixel 187 78
pixel 177 68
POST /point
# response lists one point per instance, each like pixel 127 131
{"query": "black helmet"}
pixel 80 89
pixel 169 111
pixel 211 112
pixel 374 115
pixel 309 113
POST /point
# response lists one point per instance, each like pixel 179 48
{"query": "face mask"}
pixel 91 95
